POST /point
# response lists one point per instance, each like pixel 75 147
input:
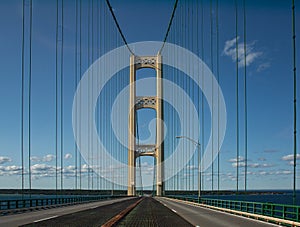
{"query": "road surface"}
pixel 205 217
pixel 37 217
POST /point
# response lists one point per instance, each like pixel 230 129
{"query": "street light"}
pixel 199 171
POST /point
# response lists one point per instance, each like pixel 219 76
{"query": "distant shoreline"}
pixel 123 192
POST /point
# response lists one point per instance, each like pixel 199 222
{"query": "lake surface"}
pixel 282 197
pixel 38 196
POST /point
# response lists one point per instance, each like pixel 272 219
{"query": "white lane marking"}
pixel 174 210
pixel 94 207
pixel 44 219
pixel 223 212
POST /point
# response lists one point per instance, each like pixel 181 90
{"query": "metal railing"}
pixel 41 202
pixel 282 211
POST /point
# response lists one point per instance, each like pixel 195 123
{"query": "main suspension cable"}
pixel 169 25
pixel 118 26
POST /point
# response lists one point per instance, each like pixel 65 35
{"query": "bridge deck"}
pixel 75 215
pixel 204 217
pixel 150 212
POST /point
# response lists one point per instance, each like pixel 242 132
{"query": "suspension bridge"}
pixel 101 127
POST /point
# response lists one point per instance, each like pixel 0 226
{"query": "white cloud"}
pixel 266 165
pixel 4 159
pixel 191 167
pixel 242 163
pixel 283 172
pixel 240 159
pixel 263 66
pixel 10 170
pixel 68 156
pixel 35 159
pixel 38 168
pixel 231 50
pixel 85 168
pixel 263 173
pixel 290 157
pixel 46 158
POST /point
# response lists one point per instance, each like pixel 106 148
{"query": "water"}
pixel 283 197
pixel 37 196
pixel 12 201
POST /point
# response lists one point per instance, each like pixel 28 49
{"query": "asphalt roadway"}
pixel 150 212
pixel 36 218
pixel 97 213
pixel 205 217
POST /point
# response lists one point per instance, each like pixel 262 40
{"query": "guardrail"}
pixel 40 202
pixel 281 211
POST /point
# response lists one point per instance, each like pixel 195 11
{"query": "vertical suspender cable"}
pixel 212 112
pixel 56 100
pixel 245 98
pixel 198 98
pixel 97 54
pixel 61 95
pixel 171 110
pixel 188 83
pixel 218 78
pixel 179 81
pixel 75 84
pixel 99 109
pixel 182 80
pixel 89 92
pixel 202 95
pixel 104 130
pixel 102 103
pixel 29 100
pixel 22 94
pixel 110 46
pixel 295 98
pixel 92 148
pixel 184 183
pixel 192 48
pixel 237 98
pixel 181 84
pixel 80 72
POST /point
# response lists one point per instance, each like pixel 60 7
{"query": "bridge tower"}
pixel 154 102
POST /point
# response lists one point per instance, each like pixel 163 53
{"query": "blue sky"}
pixel 269 76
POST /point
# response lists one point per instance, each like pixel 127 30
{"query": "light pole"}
pixel 199 159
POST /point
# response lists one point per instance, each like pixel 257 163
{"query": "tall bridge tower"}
pixel 154 102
